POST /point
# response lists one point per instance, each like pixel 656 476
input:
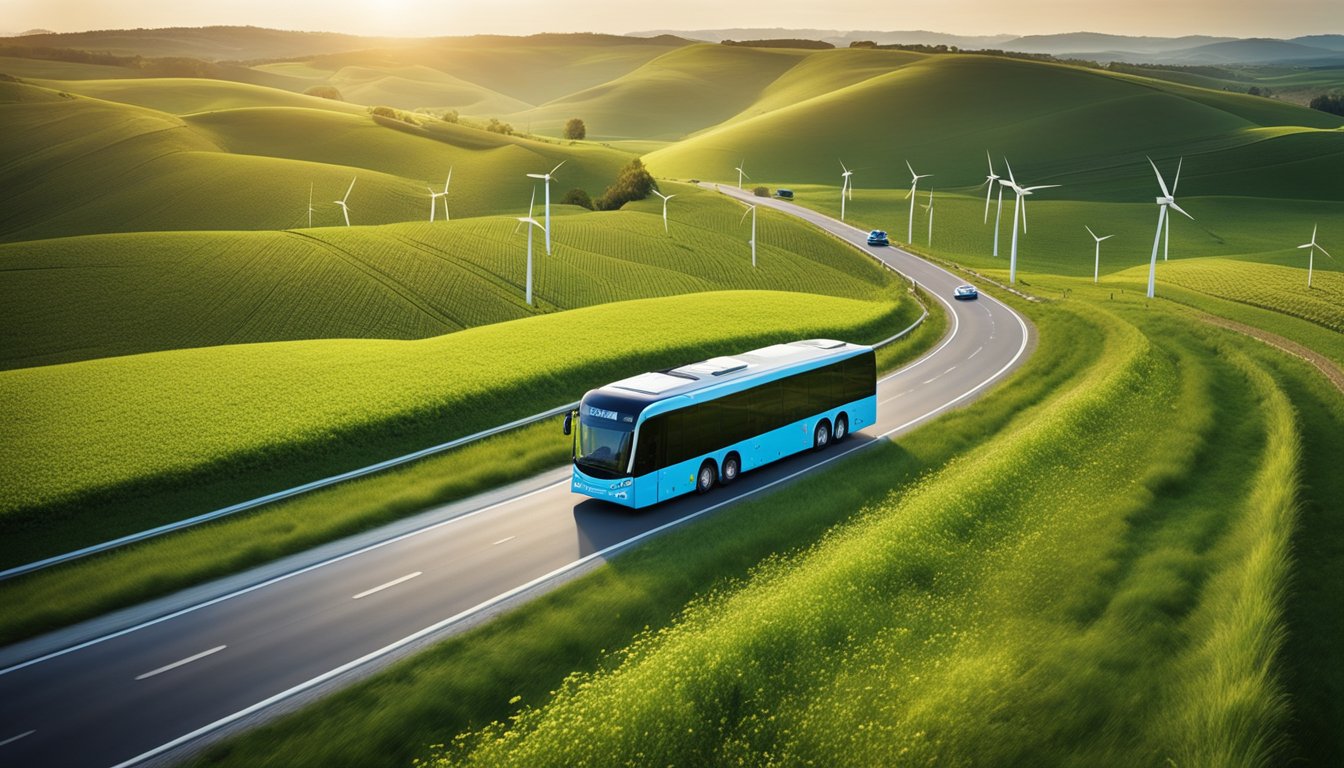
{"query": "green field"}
pixel 400 281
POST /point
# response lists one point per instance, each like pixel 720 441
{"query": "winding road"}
pixel 152 683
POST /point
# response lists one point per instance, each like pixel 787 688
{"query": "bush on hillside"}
pixel 575 130
pixel 393 114
pixel 450 116
pixel 497 127
pixel 761 191
pixel 632 183
pixel 1328 103
pixel 324 92
pixel 577 197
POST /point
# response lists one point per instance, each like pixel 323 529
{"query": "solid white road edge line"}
pixel 391 583
pixel 176 664
pixel 501 541
pixel 13 739
pixel 393 646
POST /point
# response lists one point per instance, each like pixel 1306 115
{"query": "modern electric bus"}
pixel 657 435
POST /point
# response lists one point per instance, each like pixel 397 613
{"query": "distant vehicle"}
pixel 658 435
pixel 695 181
pixel 787 194
pixel 877 237
pixel 965 292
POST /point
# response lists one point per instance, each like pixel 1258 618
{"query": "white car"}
pixel 965 292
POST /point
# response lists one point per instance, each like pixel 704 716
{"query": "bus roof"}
pixel 637 392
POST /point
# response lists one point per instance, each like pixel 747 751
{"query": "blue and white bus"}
pixel 657 435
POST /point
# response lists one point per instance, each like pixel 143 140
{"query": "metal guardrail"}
pixel 325 482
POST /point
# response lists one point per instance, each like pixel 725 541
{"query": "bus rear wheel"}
pixel 704 481
pixel 732 467
pixel 841 430
pixel 822 436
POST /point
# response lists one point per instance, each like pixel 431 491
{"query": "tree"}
pixel 761 191
pixel 632 183
pixel 1327 103
pixel 577 197
pixel 575 130
pixel 450 116
pixel 497 127
pixel 1253 90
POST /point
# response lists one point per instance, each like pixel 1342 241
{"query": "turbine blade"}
pixel 1182 210
pixel 556 168
pixel 1177 182
pixel 1011 179
pixel 989 160
pixel 1024 213
pixel 449 180
pixel 1160 182
pixel 352 186
pixel 912 169
pixel 536 175
pixel 1108 237
pixel 1322 250
pixel 1041 186
pixel 1089 231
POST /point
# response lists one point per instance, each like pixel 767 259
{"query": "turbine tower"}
pixel 531 224
pixel 929 209
pixel 989 191
pixel 345 209
pixel 546 179
pixel 845 188
pixel 1311 254
pixel 1167 200
pixel 1019 205
pixel 434 198
pixel 752 210
pixel 914 184
pixel 665 199
pixel 310 205
pixel 1096 267
pixel 741 173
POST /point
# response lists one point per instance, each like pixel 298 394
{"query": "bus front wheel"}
pixel 732 467
pixel 704 481
pixel 822 436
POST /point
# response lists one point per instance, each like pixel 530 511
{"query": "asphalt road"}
pixel 147 690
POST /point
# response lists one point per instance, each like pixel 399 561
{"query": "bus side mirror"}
pixel 569 422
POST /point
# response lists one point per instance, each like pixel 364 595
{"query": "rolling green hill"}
pixel 1057 124
pixel 84 297
pixel 80 165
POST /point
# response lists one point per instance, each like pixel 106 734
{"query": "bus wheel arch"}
pixel 706 477
pixel 841 429
pixel 732 467
pixel 821 435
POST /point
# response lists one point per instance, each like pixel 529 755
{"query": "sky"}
pixel 1163 18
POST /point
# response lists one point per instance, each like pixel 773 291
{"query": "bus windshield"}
pixel 604 448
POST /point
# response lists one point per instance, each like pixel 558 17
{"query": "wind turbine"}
pixel 929 208
pixel 1167 200
pixel 531 223
pixel 1096 268
pixel 741 173
pixel 546 179
pixel 665 199
pixel 752 210
pixel 914 184
pixel 310 205
pixel 345 209
pixel 1019 204
pixel 845 188
pixel 434 198
pixel 989 190
pixel 1311 255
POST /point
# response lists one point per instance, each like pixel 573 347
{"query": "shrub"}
pixel 761 191
pixel 575 130
pixel 578 197
pixel 1327 103
pixel 324 92
pixel 632 183
pixel 383 112
pixel 497 127
pixel 450 116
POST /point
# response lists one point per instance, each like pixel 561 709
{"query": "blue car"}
pixel 877 237
pixel 965 292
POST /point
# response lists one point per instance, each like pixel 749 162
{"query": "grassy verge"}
pixel 107 447
pixel 468 681
pixel 66 594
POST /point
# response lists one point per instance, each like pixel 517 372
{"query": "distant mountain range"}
pixel 1312 50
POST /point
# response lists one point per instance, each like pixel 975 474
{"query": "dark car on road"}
pixel 877 237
